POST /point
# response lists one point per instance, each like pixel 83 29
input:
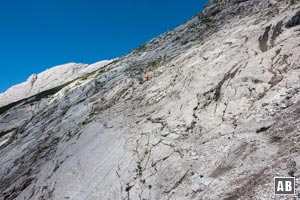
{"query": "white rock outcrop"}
pixel 48 79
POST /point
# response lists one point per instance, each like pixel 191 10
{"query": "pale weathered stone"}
pixel 219 119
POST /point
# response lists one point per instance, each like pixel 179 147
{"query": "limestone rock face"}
pixel 46 80
pixel 218 119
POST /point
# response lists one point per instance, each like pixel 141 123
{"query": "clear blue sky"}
pixel 38 34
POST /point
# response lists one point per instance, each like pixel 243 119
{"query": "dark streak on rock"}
pixel 264 39
pixel 214 94
pixel 276 32
pixel 177 183
pixel 294 21
pixel 263 129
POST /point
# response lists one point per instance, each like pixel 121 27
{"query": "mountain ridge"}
pixel 47 79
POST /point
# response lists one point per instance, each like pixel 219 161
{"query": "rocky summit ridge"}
pixel 218 119
pixel 48 79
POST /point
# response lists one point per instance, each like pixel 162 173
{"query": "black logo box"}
pixel 284 185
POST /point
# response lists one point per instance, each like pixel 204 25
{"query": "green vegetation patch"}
pixel 9 106
pixel 47 93
pixel 184 42
pixel 177 38
pixel 101 71
pixel 34 98
pixel 141 48
pixel 155 63
pixel 50 92
pixel 192 26
pixel 208 21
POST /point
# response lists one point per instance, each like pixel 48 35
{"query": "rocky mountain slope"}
pixel 219 118
pixel 48 79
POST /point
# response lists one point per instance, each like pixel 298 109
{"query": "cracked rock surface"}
pixel 219 118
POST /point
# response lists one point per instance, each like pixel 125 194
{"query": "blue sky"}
pixel 38 34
